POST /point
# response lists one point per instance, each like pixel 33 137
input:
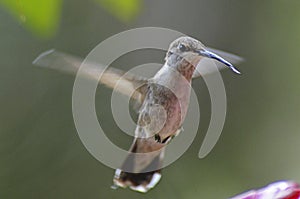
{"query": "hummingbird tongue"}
pixel 211 55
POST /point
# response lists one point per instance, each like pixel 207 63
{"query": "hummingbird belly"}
pixel 163 112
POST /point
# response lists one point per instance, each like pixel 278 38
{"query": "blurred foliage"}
pixel 42 17
pixel 124 10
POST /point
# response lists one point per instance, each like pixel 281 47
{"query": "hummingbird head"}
pixel 192 51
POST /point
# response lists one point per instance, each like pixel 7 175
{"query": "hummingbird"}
pixel 163 100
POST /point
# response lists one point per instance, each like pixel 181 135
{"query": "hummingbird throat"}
pixel 184 67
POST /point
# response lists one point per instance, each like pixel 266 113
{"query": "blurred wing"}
pixel 125 83
pixel 205 65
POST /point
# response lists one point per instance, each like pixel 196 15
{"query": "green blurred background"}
pixel 41 153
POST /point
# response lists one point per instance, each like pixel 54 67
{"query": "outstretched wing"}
pixel 205 65
pixel 125 83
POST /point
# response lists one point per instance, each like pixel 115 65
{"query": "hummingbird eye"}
pixel 182 48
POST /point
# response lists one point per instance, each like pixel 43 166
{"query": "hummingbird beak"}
pixel 208 54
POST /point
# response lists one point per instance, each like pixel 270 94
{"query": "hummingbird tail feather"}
pixel 140 182
pixel 144 176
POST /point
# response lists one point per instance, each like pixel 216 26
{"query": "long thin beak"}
pixel 206 53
